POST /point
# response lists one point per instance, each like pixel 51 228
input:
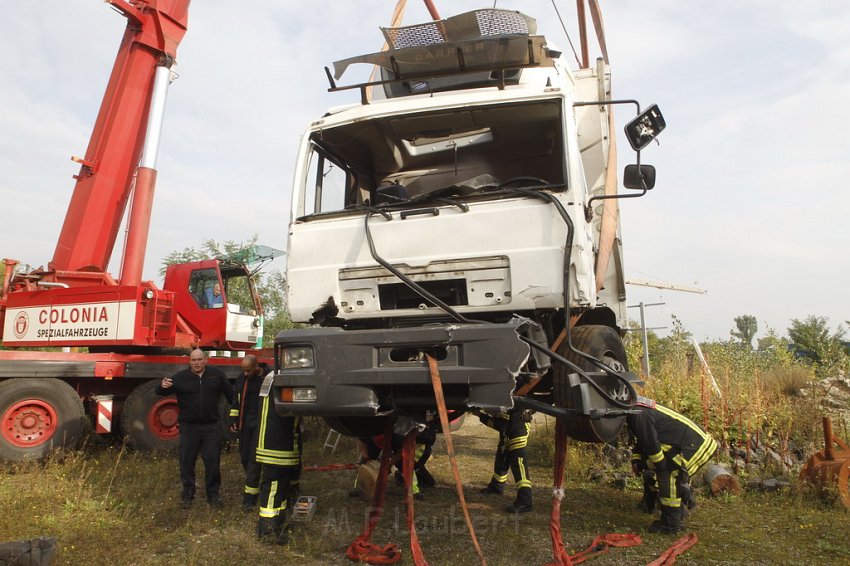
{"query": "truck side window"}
pixel 328 183
pixel 205 289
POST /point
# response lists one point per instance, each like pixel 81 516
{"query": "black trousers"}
pixel 203 439
pixel 248 438
pixel 510 455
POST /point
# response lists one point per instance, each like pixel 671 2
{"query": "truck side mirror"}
pixel 640 177
pixel 645 127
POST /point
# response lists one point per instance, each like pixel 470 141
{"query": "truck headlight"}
pixel 298 358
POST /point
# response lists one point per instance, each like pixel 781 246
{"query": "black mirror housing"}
pixel 645 127
pixel 639 177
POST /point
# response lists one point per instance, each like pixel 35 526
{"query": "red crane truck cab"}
pixel 217 301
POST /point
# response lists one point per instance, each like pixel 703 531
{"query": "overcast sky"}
pixel 751 202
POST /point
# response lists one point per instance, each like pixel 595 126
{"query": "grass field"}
pixel 108 505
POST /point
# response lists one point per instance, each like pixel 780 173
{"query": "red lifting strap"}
pixel 668 557
pixel 437 384
pixel 407 460
pixel 600 544
pixel 362 550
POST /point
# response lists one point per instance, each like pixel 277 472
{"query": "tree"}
pixel 270 286
pixel 811 339
pixel 747 328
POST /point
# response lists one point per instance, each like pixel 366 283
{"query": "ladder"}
pixel 331 440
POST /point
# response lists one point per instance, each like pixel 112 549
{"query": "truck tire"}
pixel 148 420
pixel 37 415
pixel 604 343
pixel 358 427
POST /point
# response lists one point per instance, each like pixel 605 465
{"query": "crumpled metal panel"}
pixel 482 54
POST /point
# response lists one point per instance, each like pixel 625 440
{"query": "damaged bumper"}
pixel 347 373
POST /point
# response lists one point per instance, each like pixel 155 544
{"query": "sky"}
pixel 751 198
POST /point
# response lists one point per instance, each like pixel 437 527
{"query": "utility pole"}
pixel 644 362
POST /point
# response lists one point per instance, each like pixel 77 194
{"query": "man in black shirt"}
pixel 243 421
pixel 198 390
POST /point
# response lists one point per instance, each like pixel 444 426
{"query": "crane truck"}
pixel 119 335
pixel 466 211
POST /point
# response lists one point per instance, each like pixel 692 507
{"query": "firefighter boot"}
pixel 494 488
pixel 670 521
pixel 283 536
pixel 424 477
pixel 523 502
pixel 249 502
pixel 268 528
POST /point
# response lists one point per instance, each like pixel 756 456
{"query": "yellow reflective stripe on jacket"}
pixel 702 456
pixel 657 457
pixel 264 413
pixel 682 419
pixel 279 453
pixel 234 412
pixel 288 462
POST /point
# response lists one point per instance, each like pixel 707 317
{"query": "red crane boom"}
pixel 121 132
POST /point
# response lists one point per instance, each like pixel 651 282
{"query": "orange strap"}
pixel 447 434
pixel 668 557
pixel 559 553
pixel 361 549
pixel 408 451
pixel 601 544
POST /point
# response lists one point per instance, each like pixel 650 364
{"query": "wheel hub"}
pixel 162 419
pixel 29 423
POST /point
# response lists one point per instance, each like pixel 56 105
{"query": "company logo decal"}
pixel 22 324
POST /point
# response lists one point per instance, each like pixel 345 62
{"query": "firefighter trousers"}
pixel 278 490
pixel 248 438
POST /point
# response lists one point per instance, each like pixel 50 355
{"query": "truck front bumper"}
pixel 376 372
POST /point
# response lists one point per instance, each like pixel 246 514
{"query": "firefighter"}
pixel 513 428
pixel 244 422
pixel 669 448
pixel 279 452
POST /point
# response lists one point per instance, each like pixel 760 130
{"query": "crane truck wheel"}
pixel 148 420
pixel 359 427
pixel 604 343
pixel 37 415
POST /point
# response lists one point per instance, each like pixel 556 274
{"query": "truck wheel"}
pixel 358 427
pixel 37 415
pixel 148 420
pixel 605 344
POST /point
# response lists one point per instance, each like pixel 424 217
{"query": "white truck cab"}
pixel 455 212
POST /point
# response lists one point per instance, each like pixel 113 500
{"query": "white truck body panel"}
pixel 528 232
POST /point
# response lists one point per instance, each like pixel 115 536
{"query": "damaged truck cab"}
pixel 464 210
